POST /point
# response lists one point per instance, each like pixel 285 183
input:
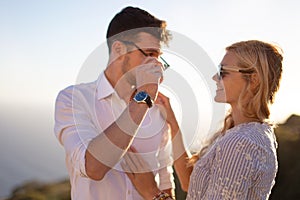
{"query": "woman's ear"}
pixel 254 81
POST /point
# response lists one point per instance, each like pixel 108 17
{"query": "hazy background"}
pixel 43 45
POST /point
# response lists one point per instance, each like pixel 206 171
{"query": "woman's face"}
pixel 230 86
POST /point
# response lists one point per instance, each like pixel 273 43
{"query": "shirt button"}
pixel 128 192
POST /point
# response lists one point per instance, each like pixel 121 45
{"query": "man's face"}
pixel 146 44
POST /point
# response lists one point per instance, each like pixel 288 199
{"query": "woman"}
pixel 238 162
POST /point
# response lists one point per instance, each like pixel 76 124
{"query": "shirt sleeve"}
pixel 73 128
pixel 233 170
pixel 166 178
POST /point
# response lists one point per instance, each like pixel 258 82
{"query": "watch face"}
pixel 141 96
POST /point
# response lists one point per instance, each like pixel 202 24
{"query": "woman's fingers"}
pixel 137 170
pixel 135 162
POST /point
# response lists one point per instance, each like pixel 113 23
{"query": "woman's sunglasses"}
pixel 222 70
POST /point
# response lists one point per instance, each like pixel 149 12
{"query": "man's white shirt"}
pixel 82 112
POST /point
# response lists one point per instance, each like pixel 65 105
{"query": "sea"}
pixel 29 150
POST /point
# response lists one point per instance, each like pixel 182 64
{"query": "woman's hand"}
pixel 167 112
pixel 140 174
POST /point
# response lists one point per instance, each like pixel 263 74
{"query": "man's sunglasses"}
pixel 223 69
pixel 165 64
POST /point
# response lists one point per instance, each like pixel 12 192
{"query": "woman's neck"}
pixel 239 118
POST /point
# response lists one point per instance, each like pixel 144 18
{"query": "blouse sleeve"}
pixel 234 169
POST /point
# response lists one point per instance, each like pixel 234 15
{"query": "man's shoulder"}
pixel 78 89
pixel 83 87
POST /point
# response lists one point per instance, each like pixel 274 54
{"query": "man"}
pixel 98 122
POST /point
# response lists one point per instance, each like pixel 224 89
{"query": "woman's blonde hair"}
pixel 266 60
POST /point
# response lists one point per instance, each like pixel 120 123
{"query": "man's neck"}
pixel 123 88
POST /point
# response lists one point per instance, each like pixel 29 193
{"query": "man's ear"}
pixel 118 48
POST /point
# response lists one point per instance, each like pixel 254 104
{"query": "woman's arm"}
pixel 180 154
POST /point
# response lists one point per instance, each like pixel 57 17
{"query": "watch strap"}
pixel 149 101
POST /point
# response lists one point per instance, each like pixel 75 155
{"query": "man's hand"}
pixel 148 76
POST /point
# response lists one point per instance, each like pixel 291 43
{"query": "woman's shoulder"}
pixel 251 135
pixel 251 131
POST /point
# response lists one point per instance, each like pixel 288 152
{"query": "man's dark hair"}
pixel 136 20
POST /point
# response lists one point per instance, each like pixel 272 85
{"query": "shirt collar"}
pixel 104 88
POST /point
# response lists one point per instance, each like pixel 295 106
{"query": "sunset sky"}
pixel 44 43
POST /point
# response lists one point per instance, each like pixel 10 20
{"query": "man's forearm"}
pixel 105 150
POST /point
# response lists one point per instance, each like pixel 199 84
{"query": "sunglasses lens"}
pixel 220 74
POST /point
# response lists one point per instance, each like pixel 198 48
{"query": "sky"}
pixel 44 45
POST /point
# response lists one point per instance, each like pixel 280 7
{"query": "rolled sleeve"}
pixel 73 128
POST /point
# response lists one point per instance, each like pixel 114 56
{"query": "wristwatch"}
pixel 143 97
